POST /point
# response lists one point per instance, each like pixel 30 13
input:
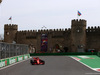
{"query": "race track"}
pixel 54 65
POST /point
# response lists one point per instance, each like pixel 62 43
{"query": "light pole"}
pixel 44 27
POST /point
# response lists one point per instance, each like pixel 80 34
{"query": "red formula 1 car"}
pixel 37 61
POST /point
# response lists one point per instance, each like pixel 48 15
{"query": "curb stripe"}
pixel 94 69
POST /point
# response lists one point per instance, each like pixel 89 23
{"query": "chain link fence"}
pixel 10 50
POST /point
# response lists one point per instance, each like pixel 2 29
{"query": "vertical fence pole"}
pixel 5 49
pixel 9 50
pixel 0 50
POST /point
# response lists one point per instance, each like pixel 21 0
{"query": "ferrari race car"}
pixel 37 61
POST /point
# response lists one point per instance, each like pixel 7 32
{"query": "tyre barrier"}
pixel 11 60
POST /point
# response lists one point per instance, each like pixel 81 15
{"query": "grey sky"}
pixel 33 14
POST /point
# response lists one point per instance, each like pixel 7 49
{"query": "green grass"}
pixel 93 61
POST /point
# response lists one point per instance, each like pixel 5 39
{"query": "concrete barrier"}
pixel 11 60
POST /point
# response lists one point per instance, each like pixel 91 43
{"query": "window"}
pixel 7 33
pixel 78 30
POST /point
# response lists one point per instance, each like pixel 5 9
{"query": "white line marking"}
pixel 14 64
pixel 85 64
pixel 93 73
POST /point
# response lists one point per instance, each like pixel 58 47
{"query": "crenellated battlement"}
pixel 93 29
pixel 80 22
pixel 34 33
pixel 10 26
pixel 27 31
pixel 45 30
pixel 51 30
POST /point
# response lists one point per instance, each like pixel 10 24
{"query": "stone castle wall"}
pixel 55 36
pixel 75 39
pixel 78 34
pixel 10 32
pixel 93 38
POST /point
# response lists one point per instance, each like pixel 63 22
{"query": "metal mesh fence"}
pixel 10 50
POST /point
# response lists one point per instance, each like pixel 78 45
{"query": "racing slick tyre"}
pixel 31 61
pixel 43 62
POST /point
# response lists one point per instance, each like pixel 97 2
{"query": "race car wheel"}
pixel 43 63
pixel 31 61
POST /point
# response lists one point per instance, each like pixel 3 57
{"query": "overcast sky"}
pixel 53 14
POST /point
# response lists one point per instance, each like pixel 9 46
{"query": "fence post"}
pixel 0 50
pixel 5 49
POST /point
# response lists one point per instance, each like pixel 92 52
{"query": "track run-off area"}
pixel 55 65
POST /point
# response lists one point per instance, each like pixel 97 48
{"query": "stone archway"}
pixel 57 48
pixel 65 49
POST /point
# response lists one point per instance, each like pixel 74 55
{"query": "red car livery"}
pixel 37 61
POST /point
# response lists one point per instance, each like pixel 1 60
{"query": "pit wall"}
pixel 12 60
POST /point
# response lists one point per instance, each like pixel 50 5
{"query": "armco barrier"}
pixel 61 54
pixel 8 61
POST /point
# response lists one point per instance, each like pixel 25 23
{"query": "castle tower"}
pixel 0 1
pixel 10 32
pixel 78 35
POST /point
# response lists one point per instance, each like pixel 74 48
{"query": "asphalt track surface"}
pixel 54 65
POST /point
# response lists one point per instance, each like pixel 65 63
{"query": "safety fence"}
pixel 62 54
pixel 12 60
pixel 10 50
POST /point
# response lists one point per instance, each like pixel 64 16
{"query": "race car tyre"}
pixel 31 61
pixel 43 62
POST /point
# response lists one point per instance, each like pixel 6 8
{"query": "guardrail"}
pixel 11 60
